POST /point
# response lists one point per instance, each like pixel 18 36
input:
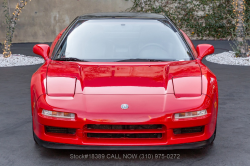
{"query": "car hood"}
pixel 69 78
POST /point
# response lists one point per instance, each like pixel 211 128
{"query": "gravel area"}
pixel 19 60
pixel 228 58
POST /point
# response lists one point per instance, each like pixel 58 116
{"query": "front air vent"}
pixel 188 130
pixel 153 131
pixel 123 127
pixel 138 135
pixel 60 130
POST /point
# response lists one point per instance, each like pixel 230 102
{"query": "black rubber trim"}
pixel 52 145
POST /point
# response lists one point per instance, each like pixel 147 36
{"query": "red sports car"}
pixel 123 81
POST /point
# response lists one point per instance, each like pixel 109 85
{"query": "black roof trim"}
pixel 123 15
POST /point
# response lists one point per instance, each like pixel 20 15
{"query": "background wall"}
pixel 42 20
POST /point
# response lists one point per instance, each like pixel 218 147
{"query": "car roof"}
pixel 123 15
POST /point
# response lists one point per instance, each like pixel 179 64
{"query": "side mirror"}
pixel 43 50
pixel 204 50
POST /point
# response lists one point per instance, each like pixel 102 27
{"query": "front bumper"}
pixel 194 145
pixel 169 140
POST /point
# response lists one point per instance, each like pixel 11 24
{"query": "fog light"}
pixel 190 114
pixel 58 114
pixel 188 130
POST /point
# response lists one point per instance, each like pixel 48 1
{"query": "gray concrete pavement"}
pixel 231 146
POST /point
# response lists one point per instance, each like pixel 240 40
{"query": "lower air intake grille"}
pixel 60 130
pixel 189 130
pixel 124 131
pixel 123 127
pixel 141 135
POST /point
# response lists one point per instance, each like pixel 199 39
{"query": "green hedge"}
pixel 213 19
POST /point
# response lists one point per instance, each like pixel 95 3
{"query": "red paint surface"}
pixel 204 50
pixel 187 86
pixel 43 50
pixel 61 86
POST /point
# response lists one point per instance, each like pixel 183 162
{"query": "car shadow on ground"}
pixel 136 155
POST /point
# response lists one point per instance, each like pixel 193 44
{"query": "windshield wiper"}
pixel 146 60
pixel 70 59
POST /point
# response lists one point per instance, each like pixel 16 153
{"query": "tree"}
pixel 241 45
pixel 10 21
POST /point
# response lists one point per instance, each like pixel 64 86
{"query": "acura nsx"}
pixel 129 81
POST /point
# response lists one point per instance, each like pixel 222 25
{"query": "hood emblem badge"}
pixel 124 106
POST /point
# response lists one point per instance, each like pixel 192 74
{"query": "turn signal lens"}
pixel 58 114
pixel 190 114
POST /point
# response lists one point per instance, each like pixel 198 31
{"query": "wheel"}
pixel 214 135
pixel 34 138
pixel 33 133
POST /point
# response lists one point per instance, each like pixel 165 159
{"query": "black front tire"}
pixel 34 138
pixel 33 133
pixel 214 135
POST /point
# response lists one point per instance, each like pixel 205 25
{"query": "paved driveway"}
pixel 231 147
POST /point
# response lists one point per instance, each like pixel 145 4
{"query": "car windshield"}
pixel 118 40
